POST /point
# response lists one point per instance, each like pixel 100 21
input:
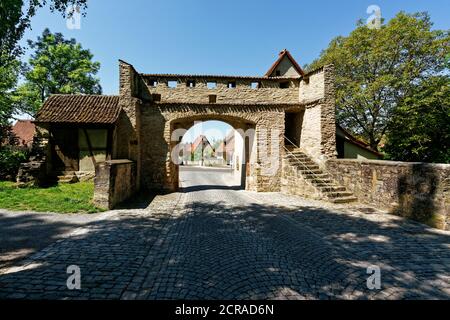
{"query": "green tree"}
pixel 58 65
pixel 15 19
pixel 376 69
pixel 9 73
pixel 420 128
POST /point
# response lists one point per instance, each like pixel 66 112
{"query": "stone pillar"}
pixel 128 126
pixel 115 182
pixel 328 115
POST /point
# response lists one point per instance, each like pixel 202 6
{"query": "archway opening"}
pixel 212 156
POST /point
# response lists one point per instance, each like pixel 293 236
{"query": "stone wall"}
pixel 115 182
pixel 415 190
pixel 267 92
pixel 317 93
pixel 293 182
pixel 126 135
pixel 310 138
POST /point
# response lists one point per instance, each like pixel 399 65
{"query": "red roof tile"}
pixel 96 109
pixel 24 130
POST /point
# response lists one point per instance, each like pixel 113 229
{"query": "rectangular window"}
pixel 231 84
pixel 212 98
pixel 190 83
pixel 94 145
pixel 156 97
pixel 255 85
pixel 211 85
pixel 278 73
pixel 284 84
pixel 152 83
pixel 172 84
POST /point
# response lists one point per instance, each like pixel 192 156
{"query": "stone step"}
pixel 295 154
pixel 308 164
pixel 317 176
pixel 310 171
pixel 67 179
pixel 343 200
pixel 331 188
pixel 338 194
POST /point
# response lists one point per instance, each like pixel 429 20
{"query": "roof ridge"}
pixel 285 53
pixel 83 95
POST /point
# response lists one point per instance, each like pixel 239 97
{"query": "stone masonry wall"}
pixel 115 182
pixel 159 121
pixel 415 190
pixel 318 137
pixel 268 92
pixel 310 138
pixel 293 182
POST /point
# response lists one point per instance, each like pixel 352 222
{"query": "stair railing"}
pixel 301 162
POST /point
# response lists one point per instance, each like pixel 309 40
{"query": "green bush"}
pixel 10 160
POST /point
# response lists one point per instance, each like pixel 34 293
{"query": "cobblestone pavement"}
pixel 24 233
pixel 215 242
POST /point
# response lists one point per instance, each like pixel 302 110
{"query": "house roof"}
pixel 97 109
pixel 24 130
pixel 198 141
pixel 351 139
pixel 284 54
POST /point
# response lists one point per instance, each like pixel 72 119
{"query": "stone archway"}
pixel 158 122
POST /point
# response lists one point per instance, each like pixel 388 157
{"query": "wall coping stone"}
pixel 391 163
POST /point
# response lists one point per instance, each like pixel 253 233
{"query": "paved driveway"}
pixel 215 242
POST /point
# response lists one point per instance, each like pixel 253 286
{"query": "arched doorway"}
pixel 212 152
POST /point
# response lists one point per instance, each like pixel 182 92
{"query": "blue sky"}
pixel 216 37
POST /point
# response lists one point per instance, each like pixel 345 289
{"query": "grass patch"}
pixel 62 198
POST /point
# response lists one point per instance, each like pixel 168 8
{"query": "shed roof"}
pixel 97 109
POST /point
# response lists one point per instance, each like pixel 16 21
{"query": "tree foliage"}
pixel 420 128
pixel 9 74
pixel 377 69
pixel 15 19
pixel 57 65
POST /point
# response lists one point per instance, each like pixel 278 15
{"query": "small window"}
pixel 255 85
pixel 212 98
pixel 156 97
pixel 152 83
pixel 278 73
pixel 231 85
pixel 284 84
pixel 211 85
pixel 172 84
pixel 190 83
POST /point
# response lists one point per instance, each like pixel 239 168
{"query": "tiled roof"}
pixel 24 130
pixel 285 53
pixel 97 109
pixel 350 138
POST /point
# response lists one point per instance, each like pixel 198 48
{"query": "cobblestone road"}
pixel 215 242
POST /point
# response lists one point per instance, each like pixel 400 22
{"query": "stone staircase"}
pixel 67 177
pixel 321 184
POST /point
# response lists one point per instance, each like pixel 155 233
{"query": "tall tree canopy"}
pixel 377 69
pixel 420 128
pixel 9 74
pixel 57 65
pixel 15 19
